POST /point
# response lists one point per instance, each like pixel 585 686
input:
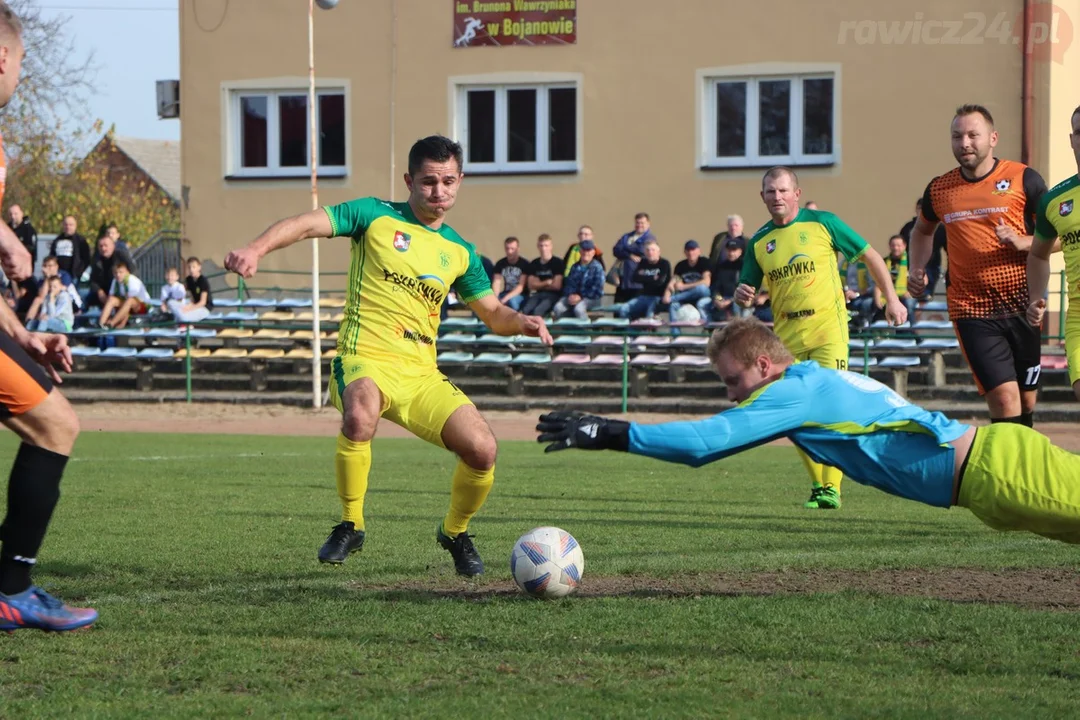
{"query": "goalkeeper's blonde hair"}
pixel 747 339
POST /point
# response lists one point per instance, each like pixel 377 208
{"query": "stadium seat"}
pixel 156 352
pixel 1054 362
pixel 236 333
pixel 332 302
pixel 278 316
pixel 859 344
pixel 126 332
pixel 216 315
pixel 525 340
pixel 611 322
pixel 229 353
pixel 302 335
pixel 456 338
pixel 651 340
pixel 572 340
pixel 195 353
pixel 164 332
pixel 259 302
pixel 691 360
pixel 456 324
pixel 300 354
pixel 571 359
pixel 271 334
pixel 690 341
pixel 294 303
pixel 84 331
pixel 884 325
pixel 650 359
pixel 608 340
pixel 119 352
pixel 532 358
pixel 337 317
pixel 329 353
pixel 934 306
pixel 571 322
pixel 495 358
pixel 454 357
pixel 85 351
pixel 896 343
pixel 493 339
pixel 607 359
pixel 652 322
pixel 858 361
pixel 267 353
pixel 940 344
pixel 242 315
pixel 227 302
pixel 304 316
pixel 687 324
pixel 899 361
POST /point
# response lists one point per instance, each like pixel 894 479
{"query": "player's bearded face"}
pixel 972 140
pixel 434 188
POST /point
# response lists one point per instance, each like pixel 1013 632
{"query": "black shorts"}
pixel 23 383
pixel 1000 351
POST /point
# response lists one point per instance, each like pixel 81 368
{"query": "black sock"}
pixel 33 491
pixel 1028 419
pixel 1018 419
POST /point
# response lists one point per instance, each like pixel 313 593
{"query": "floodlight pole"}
pixel 313 158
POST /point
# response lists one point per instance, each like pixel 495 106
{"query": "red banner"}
pixel 514 22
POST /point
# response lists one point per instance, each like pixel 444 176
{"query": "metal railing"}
pixel 155 256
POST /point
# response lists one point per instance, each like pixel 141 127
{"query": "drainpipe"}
pixel 1027 121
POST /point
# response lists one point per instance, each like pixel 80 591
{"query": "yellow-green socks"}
pixel 352 463
pixel 822 475
pixel 467 495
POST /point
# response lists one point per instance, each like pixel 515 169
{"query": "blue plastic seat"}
pixel 260 302
pixel 454 357
pixel 241 315
pixel 228 302
pixel 532 358
pixel 294 303
pixel 495 358
pixel 156 352
pixel 119 352
pixel 899 361
pixel 896 343
pixel 940 344
pixel 85 351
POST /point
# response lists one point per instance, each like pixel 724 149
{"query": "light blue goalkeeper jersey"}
pixel 838 418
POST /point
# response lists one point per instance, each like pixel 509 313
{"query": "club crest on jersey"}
pixel 1065 208
pixel 770 246
pixel 1002 186
pixel 444 260
pixel 803 238
pixel 401 241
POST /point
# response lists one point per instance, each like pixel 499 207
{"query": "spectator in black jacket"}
pixel 101 271
pixel 72 250
pixel 24 230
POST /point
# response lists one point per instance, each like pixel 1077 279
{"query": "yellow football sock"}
pixel 831 476
pixel 467 495
pixel 815 469
pixel 352 463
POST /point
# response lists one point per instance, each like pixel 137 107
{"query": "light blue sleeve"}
pixel 781 407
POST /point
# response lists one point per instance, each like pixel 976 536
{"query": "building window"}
pixel 764 121
pixel 270 133
pixel 519 128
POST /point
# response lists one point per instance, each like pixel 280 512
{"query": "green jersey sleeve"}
pixel 751 274
pixel 846 240
pixel 352 218
pixel 474 283
pixel 1044 229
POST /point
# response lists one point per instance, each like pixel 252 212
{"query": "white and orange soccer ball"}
pixel 547 563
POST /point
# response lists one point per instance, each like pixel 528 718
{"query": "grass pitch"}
pixel 199 553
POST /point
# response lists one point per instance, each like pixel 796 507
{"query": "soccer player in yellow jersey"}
pixel 794 255
pixel 1058 218
pixel 405 259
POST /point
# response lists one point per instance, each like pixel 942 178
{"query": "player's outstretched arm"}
pixel 283 233
pixel 502 320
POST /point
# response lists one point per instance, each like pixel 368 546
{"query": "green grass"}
pixel 199 553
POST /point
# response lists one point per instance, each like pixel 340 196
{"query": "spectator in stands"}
pixel 763 306
pixel 718 251
pixel 725 278
pixel 72 250
pixel 689 282
pixel 127 297
pixel 101 268
pixel 544 279
pixel 20 225
pixel 933 267
pixel 39 290
pixel 897 262
pixel 629 251
pixel 55 314
pixel 573 253
pixel 173 289
pixel 198 287
pixel 859 293
pixel 584 287
pixel 508 284
pixel 652 275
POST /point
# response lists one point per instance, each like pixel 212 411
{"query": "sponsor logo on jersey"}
pixel 799 267
pixel 1065 208
pixel 1070 238
pixel 417 287
pixel 417 337
pixel 401 241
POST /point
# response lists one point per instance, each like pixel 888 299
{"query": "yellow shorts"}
pixel 420 404
pixel 1072 342
pixel 1016 479
pixel 833 357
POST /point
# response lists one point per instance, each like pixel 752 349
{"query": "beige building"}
pixel 674 108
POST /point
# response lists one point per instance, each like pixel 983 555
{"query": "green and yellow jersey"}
pixel 898 271
pixel 797 263
pixel 1059 217
pixel 399 274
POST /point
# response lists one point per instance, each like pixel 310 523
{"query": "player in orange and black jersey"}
pixel 988 206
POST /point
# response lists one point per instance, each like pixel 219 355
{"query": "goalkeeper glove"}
pixel 572 429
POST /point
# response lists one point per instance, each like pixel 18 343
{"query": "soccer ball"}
pixel 547 563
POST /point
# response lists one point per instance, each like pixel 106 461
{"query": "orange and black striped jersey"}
pixel 987 279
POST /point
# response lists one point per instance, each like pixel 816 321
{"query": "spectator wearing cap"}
pixel 652 274
pixel 584 287
pixel 573 253
pixel 689 282
pixel 725 279
pixel 734 231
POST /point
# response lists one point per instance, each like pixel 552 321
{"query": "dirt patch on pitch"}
pixel 1041 589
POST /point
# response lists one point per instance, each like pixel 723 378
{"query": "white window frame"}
pixel 273 90
pixel 459 88
pixel 752 75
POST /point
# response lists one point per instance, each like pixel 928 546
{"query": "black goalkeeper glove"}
pixel 572 429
